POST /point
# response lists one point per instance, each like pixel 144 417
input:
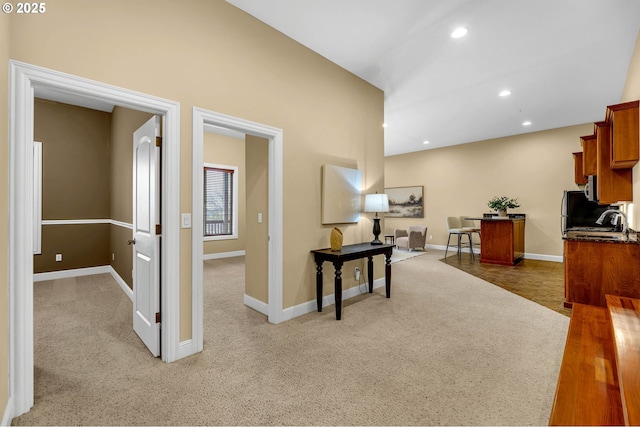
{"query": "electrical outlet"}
pixel 113 256
pixel 430 236
pixel 58 257
pixel 357 273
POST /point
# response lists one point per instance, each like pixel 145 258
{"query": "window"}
pixel 220 202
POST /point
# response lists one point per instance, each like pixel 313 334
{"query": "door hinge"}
pixel 158 317
pixel 158 229
pixel 158 141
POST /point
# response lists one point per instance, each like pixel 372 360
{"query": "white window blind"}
pixel 218 201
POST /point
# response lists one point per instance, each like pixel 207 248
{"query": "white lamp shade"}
pixel 376 203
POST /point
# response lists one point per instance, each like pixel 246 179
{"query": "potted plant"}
pixel 501 204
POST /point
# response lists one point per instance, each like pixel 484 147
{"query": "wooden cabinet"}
pixel 589 154
pixel 578 174
pixel 623 119
pixel 614 185
pixel 593 269
pixel 502 241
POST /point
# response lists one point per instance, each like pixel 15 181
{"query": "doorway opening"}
pixel 26 83
pixel 236 221
pixel 273 306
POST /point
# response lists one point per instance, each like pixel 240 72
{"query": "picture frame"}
pixel 405 202
pixel 341 195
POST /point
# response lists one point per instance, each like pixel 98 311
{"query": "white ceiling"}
pixel 564 61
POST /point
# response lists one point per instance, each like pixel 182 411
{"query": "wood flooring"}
pixel 539 281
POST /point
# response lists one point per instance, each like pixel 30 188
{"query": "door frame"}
pixel 202 117
pixel 24 82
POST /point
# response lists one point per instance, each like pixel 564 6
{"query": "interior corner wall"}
pixel 631 92
pixel 257 196
pixel 4 214
pixel 75 185
pixel 535 168
pixel 124 122
pixel 230 151
pixel 215 56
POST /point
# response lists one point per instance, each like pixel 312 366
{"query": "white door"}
pixel 146 236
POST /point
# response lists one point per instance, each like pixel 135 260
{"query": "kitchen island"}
pixel 502 240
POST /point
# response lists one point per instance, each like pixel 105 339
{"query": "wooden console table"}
pixel 349 253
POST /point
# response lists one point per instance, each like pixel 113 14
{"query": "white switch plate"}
pixel 260 217
pixel 186 220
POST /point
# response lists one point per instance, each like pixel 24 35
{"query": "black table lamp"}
pixel 376 203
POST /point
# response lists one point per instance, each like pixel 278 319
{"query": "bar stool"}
pixel 470 226
pixel 455 227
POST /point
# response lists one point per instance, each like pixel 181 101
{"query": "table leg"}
pixel 338 289
pixel 370 273
pixel 319 284
pixel 387 274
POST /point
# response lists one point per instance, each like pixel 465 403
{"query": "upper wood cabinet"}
pixel 578 174
pixel 614 185
pixel 623 119
pixel 589 155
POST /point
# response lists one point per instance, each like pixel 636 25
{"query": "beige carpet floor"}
pixel 402 254
pixel 446 349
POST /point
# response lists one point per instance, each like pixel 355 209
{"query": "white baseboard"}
pixel 311 306
pixel 256 304
pixel 77 272
pixel 223 255
pixel 185 349
pixel 7 415
pixel 125 288
pixel 89 271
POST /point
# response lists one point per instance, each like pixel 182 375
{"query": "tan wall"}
pixel 120 254
pixel 81 246
pixel 75 184
pixel 257 195
pixel 4 213
pixel 226 150
pixel 631 92
pixel 124 122
pixel 75 160
pixel 214 56
pixel 536 168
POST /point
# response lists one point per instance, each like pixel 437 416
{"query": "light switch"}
pixel 260 217
pixel 186 220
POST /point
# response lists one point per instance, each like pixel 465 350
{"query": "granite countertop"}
pixel 601 236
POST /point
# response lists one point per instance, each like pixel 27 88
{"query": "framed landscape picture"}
pixel 405 202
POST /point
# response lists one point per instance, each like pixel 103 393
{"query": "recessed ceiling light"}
pixel 527 123
pixel 505 92
pixel 384 125
pixel 459 32
pixel 425 142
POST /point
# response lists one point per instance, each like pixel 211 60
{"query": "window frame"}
pixel 234 213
